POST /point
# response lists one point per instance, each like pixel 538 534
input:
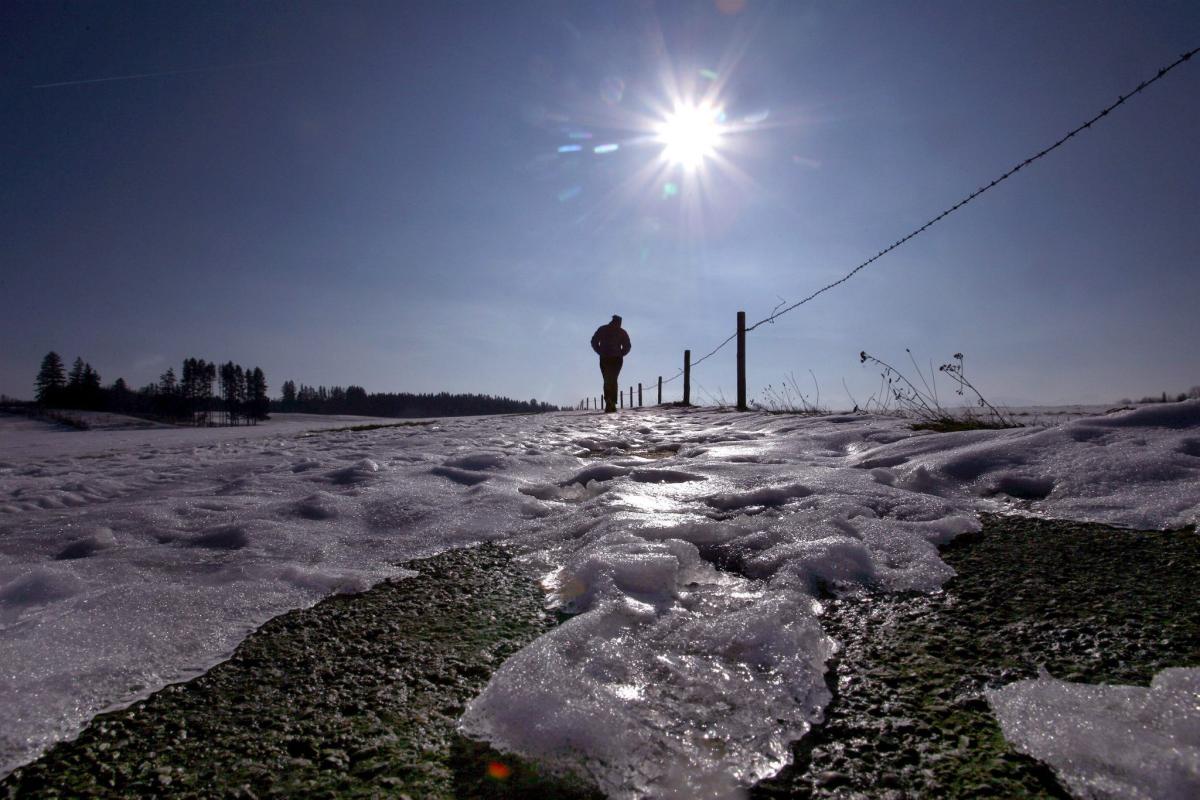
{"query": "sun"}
pixel 690 134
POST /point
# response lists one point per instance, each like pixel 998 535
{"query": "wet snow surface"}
pixel 1110 741
pixel 689 546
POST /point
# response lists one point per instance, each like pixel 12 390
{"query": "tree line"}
pixel 206 393
pixel 1191 394
pixel 356 400
pixel 184 398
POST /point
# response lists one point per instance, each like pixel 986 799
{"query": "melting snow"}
pixel 689 545
pixel 1110 741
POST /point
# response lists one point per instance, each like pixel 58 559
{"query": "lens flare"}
pixel 612 89
pixel 690 134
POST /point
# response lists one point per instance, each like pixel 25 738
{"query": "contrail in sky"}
pixel 158 74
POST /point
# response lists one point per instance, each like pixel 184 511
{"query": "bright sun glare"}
pixel 690 134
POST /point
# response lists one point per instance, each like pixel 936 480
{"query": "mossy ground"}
pixel 1087 602
pixel 358 696
pixel 354 697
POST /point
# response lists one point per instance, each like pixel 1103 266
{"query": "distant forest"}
pixel 356 400
pixel 240 396
pixel 187 398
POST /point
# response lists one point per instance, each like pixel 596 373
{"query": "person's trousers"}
pixel 610 368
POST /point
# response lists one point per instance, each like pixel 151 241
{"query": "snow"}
pixel 688 545
pixel 1110 741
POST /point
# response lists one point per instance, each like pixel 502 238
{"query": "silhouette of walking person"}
pixel 611 343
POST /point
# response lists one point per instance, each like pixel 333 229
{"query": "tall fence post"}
pixel 639 394
pixel 622 398
pixel 741 362
pixel 660 390
pixel 687 377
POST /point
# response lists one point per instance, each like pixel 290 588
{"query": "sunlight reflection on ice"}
pixel 627 691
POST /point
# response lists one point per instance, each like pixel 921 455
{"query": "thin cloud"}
pixel 166 74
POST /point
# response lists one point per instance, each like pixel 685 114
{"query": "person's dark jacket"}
pixel 611 340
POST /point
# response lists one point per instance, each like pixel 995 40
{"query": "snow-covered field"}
pixel 690 545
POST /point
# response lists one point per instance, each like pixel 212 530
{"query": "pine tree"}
pixel 167 383
pixel 187 379
pixel 90 394
pixel 240 375
pixel 207 373
pixel 256 394
pixel 75 379
pixel 51 379
pixel 229 391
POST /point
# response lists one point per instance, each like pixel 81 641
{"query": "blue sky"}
pixel 375 193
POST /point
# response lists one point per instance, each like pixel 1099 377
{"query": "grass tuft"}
pixel 897 394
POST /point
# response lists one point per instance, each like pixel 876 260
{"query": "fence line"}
pixel 742 329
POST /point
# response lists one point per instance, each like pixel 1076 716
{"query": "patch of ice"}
pixel 744 668
pixel 1110 741
pixel 326 582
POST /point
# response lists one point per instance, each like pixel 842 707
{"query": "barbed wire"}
pixel 1121 99
pixel 1044 152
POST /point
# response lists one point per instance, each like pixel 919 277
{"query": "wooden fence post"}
pixel 687 377
pixel 639 394
pixel 622 398
pixel 741 362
